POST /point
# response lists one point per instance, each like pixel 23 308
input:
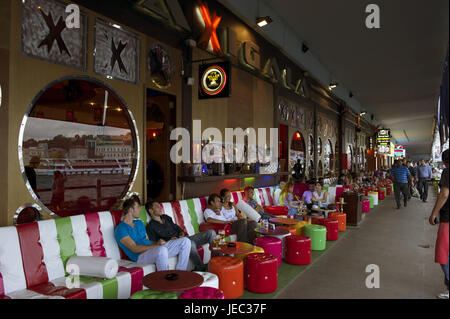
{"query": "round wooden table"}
pixel 284 221
pixel 271 232
pixel 241 248
pixel 186 280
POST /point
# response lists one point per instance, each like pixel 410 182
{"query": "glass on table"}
pixel 222 235
pixel 216 240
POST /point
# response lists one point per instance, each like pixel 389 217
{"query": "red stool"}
pixel 341 218
pixel 332 226
pixel 298 250
pixel 365 205
pixel 231 275
pixel 316 219
pixel 261 273
pixel 203 293
pixel 388 190
pixel 271 245
pixel 276 210
pixel 381 194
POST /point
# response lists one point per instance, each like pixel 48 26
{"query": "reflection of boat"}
pixel 83 166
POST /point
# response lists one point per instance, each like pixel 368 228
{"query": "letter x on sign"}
pixel 116 52
pixel 54 33
pixel 211 24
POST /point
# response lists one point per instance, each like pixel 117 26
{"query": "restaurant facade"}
pixel 89 102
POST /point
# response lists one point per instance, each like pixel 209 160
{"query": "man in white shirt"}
pixel 245 230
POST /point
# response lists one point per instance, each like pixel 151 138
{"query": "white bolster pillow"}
pixel 248 210
pixel 93 266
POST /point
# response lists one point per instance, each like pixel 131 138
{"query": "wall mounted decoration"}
pixel 215 79
pixel 160 66
pixel 46 36
pixel 116 54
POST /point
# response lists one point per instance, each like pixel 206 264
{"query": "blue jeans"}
pixel 160 255
pixel 445 270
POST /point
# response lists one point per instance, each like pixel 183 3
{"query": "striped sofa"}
pixel 33 256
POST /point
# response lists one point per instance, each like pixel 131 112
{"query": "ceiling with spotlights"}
pixel 394 72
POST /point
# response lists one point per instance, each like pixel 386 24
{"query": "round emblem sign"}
pixel 213 80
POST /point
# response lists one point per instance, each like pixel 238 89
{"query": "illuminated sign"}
pixel 399 151
pixel 209 35
pixel 214 80
pixel 384 141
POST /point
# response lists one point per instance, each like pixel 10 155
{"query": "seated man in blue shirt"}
pixel 249 192
pixel 131 236
pixel 400 175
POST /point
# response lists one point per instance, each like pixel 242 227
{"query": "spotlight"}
pixel 304 48
pixel 332 86
pixel 362 113
pixel 263 21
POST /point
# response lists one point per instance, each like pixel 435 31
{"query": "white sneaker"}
pixel 443 295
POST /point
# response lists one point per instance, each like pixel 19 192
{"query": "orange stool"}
pixel 291 229
pixel 231 275
pixel 341 218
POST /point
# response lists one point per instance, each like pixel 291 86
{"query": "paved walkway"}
pixel 401 242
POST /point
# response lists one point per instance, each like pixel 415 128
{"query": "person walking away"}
pixel 400 175
pixel 424 174
pixel 441 255
pixel 412 181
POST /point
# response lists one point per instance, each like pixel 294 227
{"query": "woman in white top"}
pixel 215 213
pixel 319 196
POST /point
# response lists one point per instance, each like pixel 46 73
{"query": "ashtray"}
pixel 171 276
pixel 231 244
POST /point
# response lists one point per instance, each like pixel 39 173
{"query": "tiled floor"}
pixel 389 238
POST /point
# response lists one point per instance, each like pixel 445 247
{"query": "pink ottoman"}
pixel 203 293
pixel 365 205
pixel 271 245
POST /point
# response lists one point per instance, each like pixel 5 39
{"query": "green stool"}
pixel 371 200
pixel 152 294
pixel 318 235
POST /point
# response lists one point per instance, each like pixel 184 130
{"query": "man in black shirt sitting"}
pixel 162 227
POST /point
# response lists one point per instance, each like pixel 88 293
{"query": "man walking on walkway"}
pixel 400 174
pixel 441 255
pixel 424 174
pixel 413 172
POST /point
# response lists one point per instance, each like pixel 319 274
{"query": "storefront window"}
pixel 78 148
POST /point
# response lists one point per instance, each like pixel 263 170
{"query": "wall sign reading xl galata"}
pixel 223 41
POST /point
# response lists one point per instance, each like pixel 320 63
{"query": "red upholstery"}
pixel 269 196
pixel 95 235
pixel 136 278
pixel 216 227
pixel 179 220
pixel 332 226
pixel 276 210
pixel 49 289
pixel 32 254
pixel 203 293
pixel 261 273
pixel 297 250
pixel 204 203
pixel 300 188
pixel 2 287
pixel 235 197
pixel 339 192
pixel 316 219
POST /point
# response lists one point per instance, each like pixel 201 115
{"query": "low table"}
pixel 241 248
pixel 186 280
pixel 271 232
pixel 284 221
